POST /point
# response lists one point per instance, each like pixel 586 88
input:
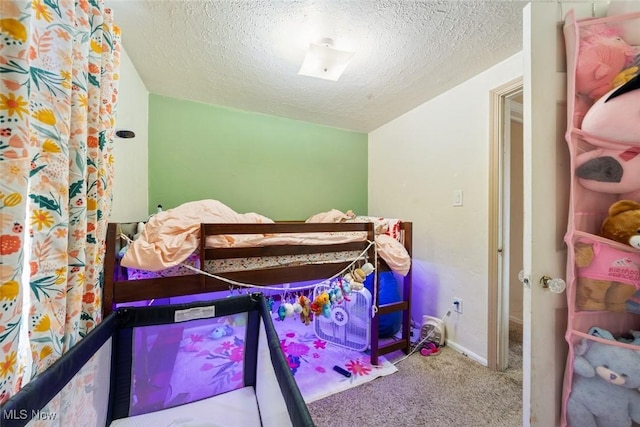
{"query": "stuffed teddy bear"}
pixel 597 287
pixel 604 390
pixel 623 223
pixel 597 294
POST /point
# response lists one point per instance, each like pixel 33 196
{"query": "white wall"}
pixel 130 189
pixel 415 163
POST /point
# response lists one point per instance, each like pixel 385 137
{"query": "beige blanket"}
pixel 169 237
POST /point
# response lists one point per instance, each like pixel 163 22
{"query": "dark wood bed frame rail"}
pixel 118 289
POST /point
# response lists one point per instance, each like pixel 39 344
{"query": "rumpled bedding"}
pixel 171 236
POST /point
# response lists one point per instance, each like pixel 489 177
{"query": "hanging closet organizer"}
pixel 602 375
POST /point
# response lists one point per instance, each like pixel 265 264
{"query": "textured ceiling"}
pixel 246 54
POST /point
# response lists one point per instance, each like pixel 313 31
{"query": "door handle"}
pixel 555 285
pixel 524 279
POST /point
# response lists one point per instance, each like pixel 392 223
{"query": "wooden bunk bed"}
pixel 119 289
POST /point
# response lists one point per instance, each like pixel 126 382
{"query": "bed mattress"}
pixel 235 408
pixel 243 264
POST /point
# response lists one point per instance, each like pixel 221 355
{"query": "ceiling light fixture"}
pixel 324 61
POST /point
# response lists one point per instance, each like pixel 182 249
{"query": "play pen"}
pixel 212 363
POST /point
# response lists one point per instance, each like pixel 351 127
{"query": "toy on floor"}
pixel 342 371
pixel 604 392
pixel 430 349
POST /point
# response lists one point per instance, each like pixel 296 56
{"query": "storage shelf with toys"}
pixel 603 234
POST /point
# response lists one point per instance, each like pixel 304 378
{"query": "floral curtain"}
pixel 59 62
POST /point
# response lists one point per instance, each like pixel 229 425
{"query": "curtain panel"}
pixel 59 64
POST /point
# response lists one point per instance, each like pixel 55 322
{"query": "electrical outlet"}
pixel 457 305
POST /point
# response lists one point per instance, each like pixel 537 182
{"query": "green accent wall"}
pixel 282 168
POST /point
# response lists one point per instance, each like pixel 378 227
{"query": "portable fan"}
pixel 349 324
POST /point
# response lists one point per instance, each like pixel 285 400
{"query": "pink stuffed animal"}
pixel 614 119
pixel 612 124
pixel 603 54
pixel 613 171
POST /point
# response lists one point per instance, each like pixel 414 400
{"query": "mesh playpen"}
pixel 213 363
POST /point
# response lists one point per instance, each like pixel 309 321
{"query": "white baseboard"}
pixel 471 355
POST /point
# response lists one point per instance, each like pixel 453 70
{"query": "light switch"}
pixel 457 197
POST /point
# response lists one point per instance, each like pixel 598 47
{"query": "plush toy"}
pixel 356 278
pixel 604 390
pixel 305 315
pixel 625 75
pixel 623 223
pixel 611 170
pixel 610 282
pixel 220 332
pixel 297 308
pixel 345 288
pixel 335 295
pixel 282 312
pixel 285 310
pixel 614 117
pixel 603 54
pixel 326 310
pixel 319 303
pixel 354 285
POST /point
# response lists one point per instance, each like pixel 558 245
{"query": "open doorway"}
pixel 506 228
pixel 512 173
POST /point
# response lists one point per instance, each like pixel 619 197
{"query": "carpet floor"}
pixel 448 389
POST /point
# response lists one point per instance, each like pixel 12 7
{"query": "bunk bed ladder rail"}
pixel 404 305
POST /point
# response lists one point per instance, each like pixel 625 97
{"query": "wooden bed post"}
pixel 109 269
pixel 404 305
pixel 406 286
pixel 202 251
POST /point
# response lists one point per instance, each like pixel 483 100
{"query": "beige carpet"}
pixel 444 390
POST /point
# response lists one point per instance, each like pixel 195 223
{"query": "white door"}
pixel 546 203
